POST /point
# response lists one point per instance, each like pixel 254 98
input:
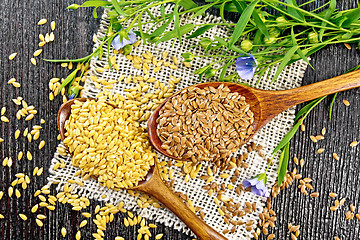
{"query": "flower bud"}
pixel 188 56
pixel 270 40
pixel 127 49
pixel 313 37
pixel 274 32
pixel 205 42
pixel 346 36
pixel 246 45
pixel 281 22
pixel 210 72
pixel 73 92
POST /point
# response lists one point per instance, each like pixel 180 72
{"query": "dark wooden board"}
pixel 19 33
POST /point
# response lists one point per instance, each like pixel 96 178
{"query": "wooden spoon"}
pixel 154 186
pixel 266 104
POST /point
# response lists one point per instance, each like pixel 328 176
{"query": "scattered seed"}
pixel 12 56
pixel 323 131
pixel 346 102
pixel 335 156
pixel 42 21
pixel 33 61
pixel 314 194
pixel 320 150
pixel 83 223
pixel 63 231
pixel 52 38
pixel 4 119
pixel 41 144
pixel 34 208
pixel 348 46
pixel 159 236
pixel 37 52
pixel 23 216
pixel 352 207
pixel 39 222
pixel 354 144
pixel 313 138
pixel 10 191
pixel 333 195
pixel 29 155
pixel 17 134
pixel 53 25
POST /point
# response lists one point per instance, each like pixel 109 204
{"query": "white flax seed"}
pixel 52 25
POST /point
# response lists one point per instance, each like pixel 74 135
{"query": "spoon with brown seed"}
pixel 154 186
pixel 264 104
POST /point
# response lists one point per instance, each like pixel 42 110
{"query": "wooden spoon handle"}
pixel 161 192
pixel 277 101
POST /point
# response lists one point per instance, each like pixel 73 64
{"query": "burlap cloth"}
pixel 269 136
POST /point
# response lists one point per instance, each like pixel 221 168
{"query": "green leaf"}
pixel 177 22
pixel 242 22
pixel 203 9
pixel 301 54
pixel 200 31
pixel 351 16
pixel 95 13
pixel 108 53
pixel 293 11
pixel 327 16
pixel 240 6
pixel 202 70
pixel 161 29
pixel 285 61
pixel 222 11
pixel 287 137
pixel 183 30
pixel 97 3
pixel 68 60
pixel 118 8
pixel 187 4
pixel 223 71
pixel 308 107
pixel 332 105
pixel 234 48
pixel 283 164
pixel 140 27
pixel 257 40
pixel 260 24
pixel 68 79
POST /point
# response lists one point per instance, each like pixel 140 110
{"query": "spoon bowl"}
pixel 154 186
pixel 265 104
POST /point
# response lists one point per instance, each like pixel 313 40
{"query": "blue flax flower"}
pixel 258 185
pixel 246 66
pixel 130 39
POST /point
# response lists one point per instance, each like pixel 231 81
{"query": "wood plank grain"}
pixel 19 33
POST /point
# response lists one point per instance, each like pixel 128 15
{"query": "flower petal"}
pixel 246 66
pixel 117 44
pixel 250 183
